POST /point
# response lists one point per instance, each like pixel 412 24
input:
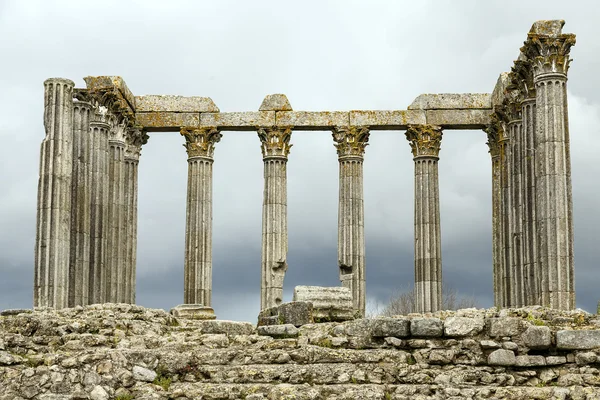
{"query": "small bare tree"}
pixel 403 302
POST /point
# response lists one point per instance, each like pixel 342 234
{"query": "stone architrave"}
pixel 98 173
pixel 115 241
pixel 134 140
pixel 275 145
pixel 425 141
pixel 548 49
pixel 53 231
pixel 494 133
pixel 350 143
pixel 200 144
pixel 79 269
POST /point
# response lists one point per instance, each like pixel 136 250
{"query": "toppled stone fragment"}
pixel 143 374
pixel 462 326
pixel 275 102
pixel 502 357
pixel 297 313
pixel 193 311
pixel 426 327
pixel 227 327
pixel 15 311
pixel 390 327
pixel 329 303
pixel 537 337
pixel 578 340
pixel 279 331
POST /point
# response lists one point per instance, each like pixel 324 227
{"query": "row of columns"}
pixel 350 142
pixel 531 175
pixel 87 202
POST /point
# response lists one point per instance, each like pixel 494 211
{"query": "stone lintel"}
pixel 238 120
pixel 167 121
pixel 312 119
pixel 387 119
pixel 451 101
pixel 459 119
pixel 499 92
pixel 170 103
pixel 111 82
pixel 275 102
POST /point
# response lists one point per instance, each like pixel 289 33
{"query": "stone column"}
pixel 115 241
pixel 494 133
pixel 350 143
pixel 135 138
pixel 549 50
pixel 79 269
pixel 53 230
pixel 275 150
pixel 505 215
pixel 200 144
pixel 99 160
pixel 425 141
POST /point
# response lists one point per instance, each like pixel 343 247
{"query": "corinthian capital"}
pixel 275 141
pixel 425 140
pixel 200 142
pixel 134 140
pixel 494 132
pixel 548 48
pixel 350 140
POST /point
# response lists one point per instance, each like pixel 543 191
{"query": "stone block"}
pixel 329 303
pixel 95 83
pixel 489 344
pixel 463 326
pixel 505 326
pixel 587 357
pixel 537 337
pixel 556 360
pixel 166 120
pixel 15 311
pixel 499 92
pixel 530 361
pixel 153 103
pixel 249 120
pixel 387 119
pixel 268 316
pixel 502 357
pixel 143 374
pixel 578 340
pixel 227 327
pixel 390 327
pixel 297 313
pixel 426 327
pixel 547 27
pixel 441 356
pixel 278 331
pixel 193 311
pixel 451 101
pixel 275 102
pixel 459 119
pixel 312 119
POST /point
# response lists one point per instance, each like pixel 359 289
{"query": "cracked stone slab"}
pixel 152 103
pixel 312 119
pixel 451 101
pixel 387 119
pixel 249 119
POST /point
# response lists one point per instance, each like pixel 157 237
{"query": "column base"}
pixel 193 311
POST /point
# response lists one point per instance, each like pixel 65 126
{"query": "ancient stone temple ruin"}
pixel 87 202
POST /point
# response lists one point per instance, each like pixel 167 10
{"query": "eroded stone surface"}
pixel 275 102
pixel 329 303
pixel 162 103
pixel 193 311
pixel 452 101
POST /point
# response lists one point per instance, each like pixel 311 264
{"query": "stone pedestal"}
pixel 198 238
pixel 350 143
pixel 425 142
pixel 193 311
pixel 53 233
pixel 99 222
pixel 79 269
pixel 549 50
pixel 275 145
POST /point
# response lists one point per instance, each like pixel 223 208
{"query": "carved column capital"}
pixel 350 141
pixel 134 139
pixel 200 142
pixel 118 132
pixel 494 132
pixel 275 141
pixel 549 53
pixel 521 77
pixel 425 140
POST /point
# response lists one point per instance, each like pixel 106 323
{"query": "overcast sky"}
pixel 324 55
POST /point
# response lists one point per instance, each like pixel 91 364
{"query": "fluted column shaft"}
pixel 115 244
pixel 53 232
pixel 505 152
pixel 275 149
pixel 425 141
pixel 350 143
pixel 79 269
pixel 99 164
pixel 516 189
pixel 198 238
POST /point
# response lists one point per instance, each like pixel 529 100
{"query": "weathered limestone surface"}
pixel 53 233
pixel 451 101
pixel 248 120
pixel 79 268
pixel 329 303
pixel 275 102
pixel 193 311
pixel 425 141
pixel 126 351
pixel 114 87
pixel 179 104
pixel 350 143
pixel 200 143
pixel 383 119
pixel 275 146
pixel 312 119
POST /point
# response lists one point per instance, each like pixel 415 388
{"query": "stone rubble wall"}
pixel 118 351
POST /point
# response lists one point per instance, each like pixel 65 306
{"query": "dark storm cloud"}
pixel 324 55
